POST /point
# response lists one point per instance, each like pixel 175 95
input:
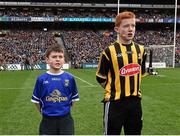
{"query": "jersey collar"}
pixel 55 74
pixel 132 43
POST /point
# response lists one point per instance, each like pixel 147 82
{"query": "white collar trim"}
pixel 55 74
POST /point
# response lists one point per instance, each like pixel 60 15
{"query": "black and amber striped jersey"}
pixel 120 69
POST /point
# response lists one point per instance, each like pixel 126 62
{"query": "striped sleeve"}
pixel 103 68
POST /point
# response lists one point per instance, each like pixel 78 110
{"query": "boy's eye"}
pixel 57 57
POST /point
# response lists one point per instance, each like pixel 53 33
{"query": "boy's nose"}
pixel 57 58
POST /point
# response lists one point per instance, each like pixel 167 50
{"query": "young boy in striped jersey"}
pixel 119 72
pixel 54 94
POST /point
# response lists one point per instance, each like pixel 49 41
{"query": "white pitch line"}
pixel 83 86
pixel 14 88
pixel 163 84
pixel 87 86
pixel 161 75
pixel 84 81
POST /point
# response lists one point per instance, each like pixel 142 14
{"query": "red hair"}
pixel 123 15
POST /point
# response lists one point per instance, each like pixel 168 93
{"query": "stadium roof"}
pixel 102 1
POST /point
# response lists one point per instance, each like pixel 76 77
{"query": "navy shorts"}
pixel 57 125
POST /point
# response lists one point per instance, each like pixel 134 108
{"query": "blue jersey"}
pixel 55 93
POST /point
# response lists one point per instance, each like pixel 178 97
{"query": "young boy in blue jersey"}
pixel 54 93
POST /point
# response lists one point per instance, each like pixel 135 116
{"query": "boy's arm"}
pixel 102 70
pixel 72 104
pixel 38 107
pixel 103 84
pixel 37 95
pixel 75 95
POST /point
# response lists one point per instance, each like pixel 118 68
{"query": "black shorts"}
pixel 59 125
pixel 126 113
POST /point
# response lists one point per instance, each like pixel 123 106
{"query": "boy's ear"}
pixel 116 29
pixel 64 60
pixel 47 60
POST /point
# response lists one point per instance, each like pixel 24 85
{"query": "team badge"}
pixel 56 93
pixel 45 82
pixel 66 82
pixel 119 55
pixel 129 52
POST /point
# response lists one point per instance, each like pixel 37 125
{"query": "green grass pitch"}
pixel 160 100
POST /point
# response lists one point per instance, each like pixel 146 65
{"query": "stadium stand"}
pixel 82 40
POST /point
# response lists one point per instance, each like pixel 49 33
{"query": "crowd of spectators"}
pixel 155 14
pixel 83 46
pixel 26 13
pixel 17 45
pixel 149 37
pixel 82 13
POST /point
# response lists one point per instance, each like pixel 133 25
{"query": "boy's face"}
pixel 55 60
pixel 126 29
